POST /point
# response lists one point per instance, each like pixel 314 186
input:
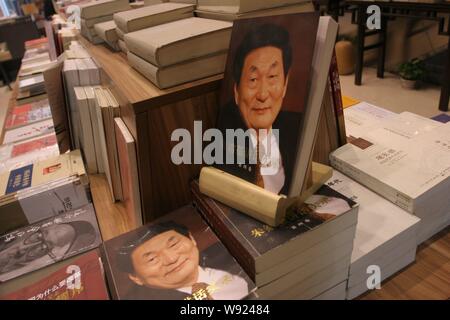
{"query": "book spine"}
pixel 400 199
pixel 337 99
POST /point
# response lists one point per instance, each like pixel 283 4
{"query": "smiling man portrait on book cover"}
pixel 264 93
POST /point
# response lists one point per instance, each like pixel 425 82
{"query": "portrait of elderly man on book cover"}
pixel 169 260
pixel 264 93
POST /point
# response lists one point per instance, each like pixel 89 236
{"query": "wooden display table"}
pixel 151 115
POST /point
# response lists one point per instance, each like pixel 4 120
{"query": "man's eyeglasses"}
pixel 40 246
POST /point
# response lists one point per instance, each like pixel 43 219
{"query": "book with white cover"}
pixel 83 72
pixel 407 166
pixel 94 71
pixel 179 41
pixel 240 6
pixel 90 96
pixel 149 16
pixel 71 80
pixel 32 82
pixel 29 131
pixel 381 224
pixel 87 137
pixel 180 73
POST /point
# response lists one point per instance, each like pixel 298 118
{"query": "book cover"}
pixel 31 145
pixel 28 114
pixel 174 258
pixel 264 92
pixel 49 241
pixel 29 131
pixel 80 279
pixel 249 240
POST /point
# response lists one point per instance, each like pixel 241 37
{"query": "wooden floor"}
pixel 427 278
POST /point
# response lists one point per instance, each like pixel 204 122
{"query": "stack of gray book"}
pixel 95 12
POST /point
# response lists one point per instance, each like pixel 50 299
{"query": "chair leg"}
pixel 360 45
pixel 5 76
pixel 382 51
pixel 445 88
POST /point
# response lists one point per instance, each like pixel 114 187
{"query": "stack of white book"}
pixel 149 16
pixel 95 12
pixel 33 85
pixel 78 72
pixel 107 108
pixel 230 10
pixel 66 35
pixel 406 159
pixel 385 235
pixel 180 51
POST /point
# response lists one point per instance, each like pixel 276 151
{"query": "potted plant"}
pixel 410 73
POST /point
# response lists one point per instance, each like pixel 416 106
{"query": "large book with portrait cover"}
pixel 324 226
pixel 271 98
pixel 78 278
pixel 173 258
pixel 48 241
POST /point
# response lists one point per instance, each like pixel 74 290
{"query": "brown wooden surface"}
pixel 427 278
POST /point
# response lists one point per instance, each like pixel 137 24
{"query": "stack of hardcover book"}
pixel 301 259
pixel 149 16
pixel 230 10
pixel 385 235
pixel 107 32
pixel 404 158
pixel 95 12
pixel 175 257
pixel 180 51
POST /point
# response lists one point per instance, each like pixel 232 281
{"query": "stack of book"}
pixel 95 12
pixel 32 85
pixel 77 278
pixel 149 16
pixel 107 108
pixel 230 10
pixel 107 32
pixel 193 263
pixel 385 235
pixel 41 190
pixel 65 36
pixel 180 51
pixel 301 259
pixel 404 158
pixel 78 72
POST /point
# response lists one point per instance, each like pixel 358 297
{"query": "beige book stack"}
pixel 107 32
pixel 179 51
pixel 107 108
pixel 234 10
pixel 95 12
pixel 149 16
pixel 66 36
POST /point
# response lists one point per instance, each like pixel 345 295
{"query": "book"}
pixel 71 80
pixel 94 71
pixel 149 16
pixel 406 164
pixel 179 41
pixel 14 155
pixel 27 114
pixel 90 96
pixel 180 73
pixel 89 23
pixel 305 6
pixel 126 149
pixel 33 84
pixel 83 72
pixel 443 117
pixel 268 253
pixel 87 136
pixel 107 31
pixel 95 9
pixel 34 68
pixel 28 131
pixel 122 46
pixel 338 292
pixel 335 86
pixel 200 258
pixel 78 278
pixel 48 241
pixel 241 6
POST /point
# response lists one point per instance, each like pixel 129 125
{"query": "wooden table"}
pixel 419 10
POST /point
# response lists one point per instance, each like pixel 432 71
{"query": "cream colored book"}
pixel 71 80
pixel 93 21
pixel 240 6
pixel 95 9
pixel 83 72
pixel 227 16
pixel 107 31
pixel 87 137
pixel 90 96
pixel 123 46
pixel 179 73
pixel 179 41
pixel 128 171
pixel 120 34
pixel 149 16
pixel 94 71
